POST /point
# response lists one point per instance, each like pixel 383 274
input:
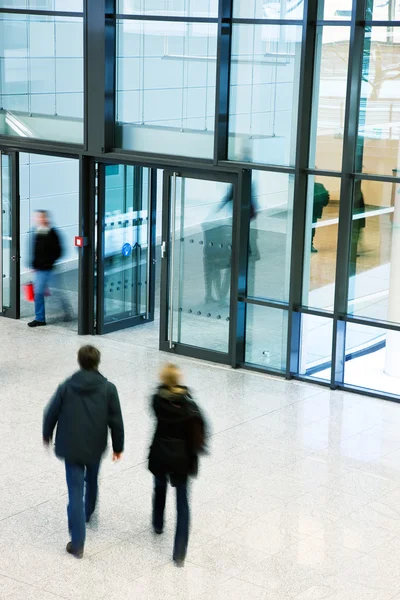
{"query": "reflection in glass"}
pixel 270 235
pixel 382 10
pixel 55 5
pixel 266 337
pixel 41 77
pixel 166 78
pixel 335 10
pixel 316 347
pixel 321 236
pixel 264 93
pixel 373 284
pixel 372 358
pixel 6 231
pixel 379 121
pixel 330 84
pixel 171 8
pixel 126 243
pixel 200 267
pixel 269 9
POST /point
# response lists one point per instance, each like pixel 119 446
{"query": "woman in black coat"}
pixel 178 439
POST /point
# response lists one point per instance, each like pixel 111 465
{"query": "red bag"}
pixel 29 292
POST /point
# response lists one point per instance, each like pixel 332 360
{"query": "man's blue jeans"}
pixel 79 509
pixel 42 282
pixel 182 509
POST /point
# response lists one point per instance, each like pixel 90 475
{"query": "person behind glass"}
pixel 178 440
pixel 47 251
pixel 83 408
pixel 321 200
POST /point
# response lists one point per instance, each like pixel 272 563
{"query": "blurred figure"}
pixel 83 408
pixel 46 252
pixel 321 200
pixel 178 440
pixel 217 254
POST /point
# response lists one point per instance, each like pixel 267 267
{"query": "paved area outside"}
pixel 299 499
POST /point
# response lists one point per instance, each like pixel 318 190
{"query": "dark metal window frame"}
pixel 100 22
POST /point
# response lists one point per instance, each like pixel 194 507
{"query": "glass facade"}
pixel 235 169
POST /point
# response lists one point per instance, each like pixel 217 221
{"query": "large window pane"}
pixel 166 77
pixel 316 347
pixel 372 358
pixel 41 77
pixel 170 8
pixel 321 242
pixel 335 10
pixel 268 9
pixel 383 10
pixel 329 102
pixel 266 337
pixel 379 122
pixel 56 5
pixel 375 251
pixel 264 93
pixel 270 235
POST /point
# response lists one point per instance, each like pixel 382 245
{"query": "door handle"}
pixel 163 249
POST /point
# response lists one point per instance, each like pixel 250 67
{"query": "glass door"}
pixel 126 247
pixel 196 265
pixel 9 249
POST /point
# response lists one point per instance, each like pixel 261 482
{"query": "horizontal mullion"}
pixel 265 370
pixel 370 177
pixel 315 312
pixel 393 24
pixel 257 166
pixel 166 18
pixel 265 302
pixel 239 21
pixel 323 173
pixel 40 13
pixel 365 321
pixel 333 23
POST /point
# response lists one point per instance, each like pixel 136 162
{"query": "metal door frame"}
pixel 13 312
pixel 166 344
pixel 101 327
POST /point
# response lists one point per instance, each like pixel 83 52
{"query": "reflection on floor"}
pixel 297 501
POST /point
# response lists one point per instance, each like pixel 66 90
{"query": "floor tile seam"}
pixel 24 511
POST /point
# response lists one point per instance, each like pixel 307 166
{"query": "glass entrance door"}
pixel 126 247
pixel 9 250
pixel 196 265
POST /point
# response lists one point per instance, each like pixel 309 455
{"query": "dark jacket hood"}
pixel 86 381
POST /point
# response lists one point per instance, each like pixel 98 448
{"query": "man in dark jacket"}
pixel 46 252
pixel 83 408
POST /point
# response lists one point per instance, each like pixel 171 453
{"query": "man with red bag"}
pixel 46 251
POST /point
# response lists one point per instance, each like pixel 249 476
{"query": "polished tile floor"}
pixel 299 499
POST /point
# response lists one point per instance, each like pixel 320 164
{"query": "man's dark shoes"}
pixel 37 323
pixel 157 530
pixel 78 553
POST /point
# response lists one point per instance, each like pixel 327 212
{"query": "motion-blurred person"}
pixel 321 200
pixel 178 440
pixel 83 408
pixel 47 251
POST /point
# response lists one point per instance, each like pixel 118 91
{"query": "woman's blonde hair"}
pixel 170 376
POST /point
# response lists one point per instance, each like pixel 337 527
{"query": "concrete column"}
pixel 392 360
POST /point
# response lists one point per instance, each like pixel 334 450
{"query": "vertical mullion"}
pixel 240 247
pixel 346 192
pixel 100 61
pixel 87 253
pixel 15 298
pixel 101 212
pixel 300 187
pixel 221 128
